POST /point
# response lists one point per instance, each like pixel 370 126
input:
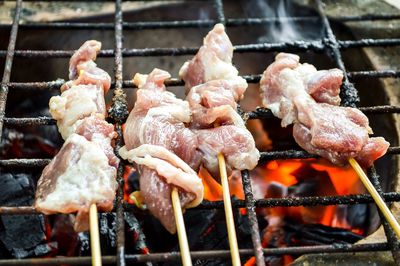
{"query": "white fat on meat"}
pixel 172 168
pixel 75 104
pixel 78 176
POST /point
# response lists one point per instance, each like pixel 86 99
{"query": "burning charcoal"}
pixel 135 229
pixel 20 143
pixel 311 182
pixel 108 238
pixel 108 234
pixel 318 234
pixel 64 234
pixel 84 244
pixel 207 231
pixel 355 215
pixel 18 190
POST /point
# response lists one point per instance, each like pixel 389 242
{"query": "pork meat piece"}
pixel 217 92
pixel 158 120
pixel 84 95
pixel 213 101
pixel 157 195
pixel 168 165
pixel 213 61
pixel 89 73
pixel 372 149
pixel 87 52
pixel 323 86
pixel 214 90
pixel 204 118
pixel 160 169
pixel 75 104
pixel 83 69
pixel 299 94
pixel 98 131
pixel 236 143
pixel 78 176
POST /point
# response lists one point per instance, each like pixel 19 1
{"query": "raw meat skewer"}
pixel 309 99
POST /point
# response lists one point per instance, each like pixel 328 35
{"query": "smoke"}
pixel 282 30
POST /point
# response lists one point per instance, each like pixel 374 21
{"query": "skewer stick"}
pixel 94 236
pixel 377 198
pixel 180 226
pixel 230 224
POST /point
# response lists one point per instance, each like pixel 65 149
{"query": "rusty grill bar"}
pixel 118 113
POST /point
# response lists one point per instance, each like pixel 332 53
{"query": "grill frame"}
pixel 328 43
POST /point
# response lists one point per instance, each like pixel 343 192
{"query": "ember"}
pixel 312 177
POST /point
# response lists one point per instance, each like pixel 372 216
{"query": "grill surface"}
pixel 118 113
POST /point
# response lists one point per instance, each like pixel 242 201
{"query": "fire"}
pixel 213 189
pixel 311 177
pixel 302 178
pixel 127 189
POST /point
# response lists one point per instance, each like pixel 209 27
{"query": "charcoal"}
pixel 311 182
pixel 84 244
pixel 108 237
pixel 29 142
pixel 356 215
pixel 107 226
pixel 319 234
pixel 207 231
pixel 291 233
pixel 135 229
pixel 64 234
pixel 21 235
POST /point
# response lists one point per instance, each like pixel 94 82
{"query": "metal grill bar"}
pixel 175 256
pixel 316 46
pixel 252 216
pixel 259 203
pixel 128 84
pixel 230 22
pixel 119 103
pixel 259 113
pixel 265 156
pixel 375 74
pixel 9 60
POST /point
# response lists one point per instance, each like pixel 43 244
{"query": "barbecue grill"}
pixel 119 110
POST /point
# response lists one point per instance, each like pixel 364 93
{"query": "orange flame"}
pixel 127 190
pixel 337 181
pixel 213 189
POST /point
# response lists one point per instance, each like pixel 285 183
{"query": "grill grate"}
pixel 118 113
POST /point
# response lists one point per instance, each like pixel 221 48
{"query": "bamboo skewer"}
pixel 230 224
pixel 377 198
pixel 180 226
pixel 94 235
